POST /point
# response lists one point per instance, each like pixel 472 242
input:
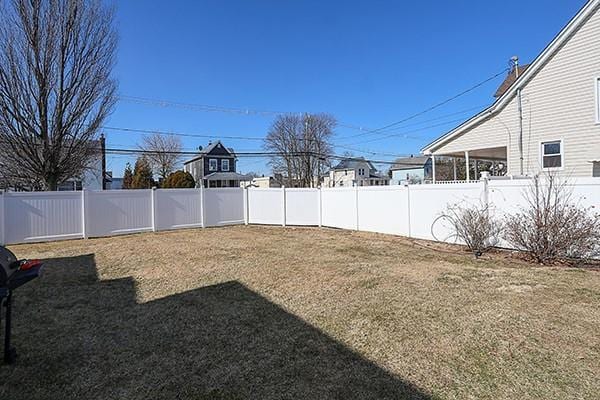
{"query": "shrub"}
pixel 474 225
pixel 179 179
pixel 553 225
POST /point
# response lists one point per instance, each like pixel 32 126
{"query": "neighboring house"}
pixel 546 116
pixel 214 167
pixel 411 170
pixel 354 172
pixel 262 182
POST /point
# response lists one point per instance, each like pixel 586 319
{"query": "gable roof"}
pixel 532 69
pixel 352 163
pixel 208 149
pixel 409 163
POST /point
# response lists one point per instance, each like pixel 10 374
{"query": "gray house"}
pixel 214 167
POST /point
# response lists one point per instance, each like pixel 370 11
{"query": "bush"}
pixel 474 226
pixel 552 225
pixel 179 179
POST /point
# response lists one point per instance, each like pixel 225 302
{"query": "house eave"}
pixel 559 40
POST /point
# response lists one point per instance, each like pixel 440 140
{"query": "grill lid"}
pixel 8 265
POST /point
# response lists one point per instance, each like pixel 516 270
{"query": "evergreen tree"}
pixel 179 179
pixel 142 174
pixel 127 177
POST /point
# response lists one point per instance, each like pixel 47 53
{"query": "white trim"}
pixel 541 154
pixel 560 39
pixel 216 165
pixel 597 85
pixel 228 165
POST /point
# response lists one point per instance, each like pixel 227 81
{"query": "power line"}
pixel 213 108
pixel 183 134
pixel 250 154
pixel 448 100
pixel 479 107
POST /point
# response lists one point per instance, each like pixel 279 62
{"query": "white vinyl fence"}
pixel 43 216
pixel 413 211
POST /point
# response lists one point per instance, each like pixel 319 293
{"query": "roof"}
pixel 206 150
pixel 409 163
pixel 546 55
pixel 352 163
pixel 226 176
pixel 512 76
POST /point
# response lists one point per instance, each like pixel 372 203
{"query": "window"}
pixel 225 165
pixel 212 164
pixel 361 171
pixel 552 154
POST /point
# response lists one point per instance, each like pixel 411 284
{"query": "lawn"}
pixel 253 312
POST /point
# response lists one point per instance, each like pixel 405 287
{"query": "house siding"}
pixel 559 103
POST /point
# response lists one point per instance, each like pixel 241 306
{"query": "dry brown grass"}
pixel 273 313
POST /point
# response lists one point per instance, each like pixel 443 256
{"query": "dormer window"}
pixel 225 165
pixel 212 164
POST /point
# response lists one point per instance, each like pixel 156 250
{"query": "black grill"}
pixel 13 274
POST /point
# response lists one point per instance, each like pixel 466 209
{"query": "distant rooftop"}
pixel 510 79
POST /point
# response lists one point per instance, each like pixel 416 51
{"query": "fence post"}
pixel 84 213
pixel 202 213
pixel 246 205
pixel 408 208
pixel 153 208
pixel 284 210
pixel 320 207
pixel 2 218
pixel 356 194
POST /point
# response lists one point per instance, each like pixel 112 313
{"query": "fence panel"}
pixel 339 208
pixel 429 202
pixel 223 206
pixel 265 206
pixel 113 212
pixel 178 208
pixel 302 207
pixel 383 209
pixel 42 216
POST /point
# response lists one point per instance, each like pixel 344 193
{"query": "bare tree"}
pixel 56 57
pixel 554 225
pixel 163 153
pixel 303 147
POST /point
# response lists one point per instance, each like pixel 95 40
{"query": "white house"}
pixel 354 172
pixel 547 114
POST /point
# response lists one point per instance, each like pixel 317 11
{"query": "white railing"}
pixel 412 210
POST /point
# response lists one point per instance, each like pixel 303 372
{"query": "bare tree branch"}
pixel 56 58
pixel 162 153
pixel 304 143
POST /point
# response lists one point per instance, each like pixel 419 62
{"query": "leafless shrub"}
pixel 553 225
pixel 475 226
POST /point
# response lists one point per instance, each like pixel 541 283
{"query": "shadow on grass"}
pixel 79 337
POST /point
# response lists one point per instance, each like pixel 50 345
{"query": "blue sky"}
pixel 369 63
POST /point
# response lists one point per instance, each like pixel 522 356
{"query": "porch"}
pixel 466 166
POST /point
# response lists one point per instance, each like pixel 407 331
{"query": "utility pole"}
pixel 103 155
